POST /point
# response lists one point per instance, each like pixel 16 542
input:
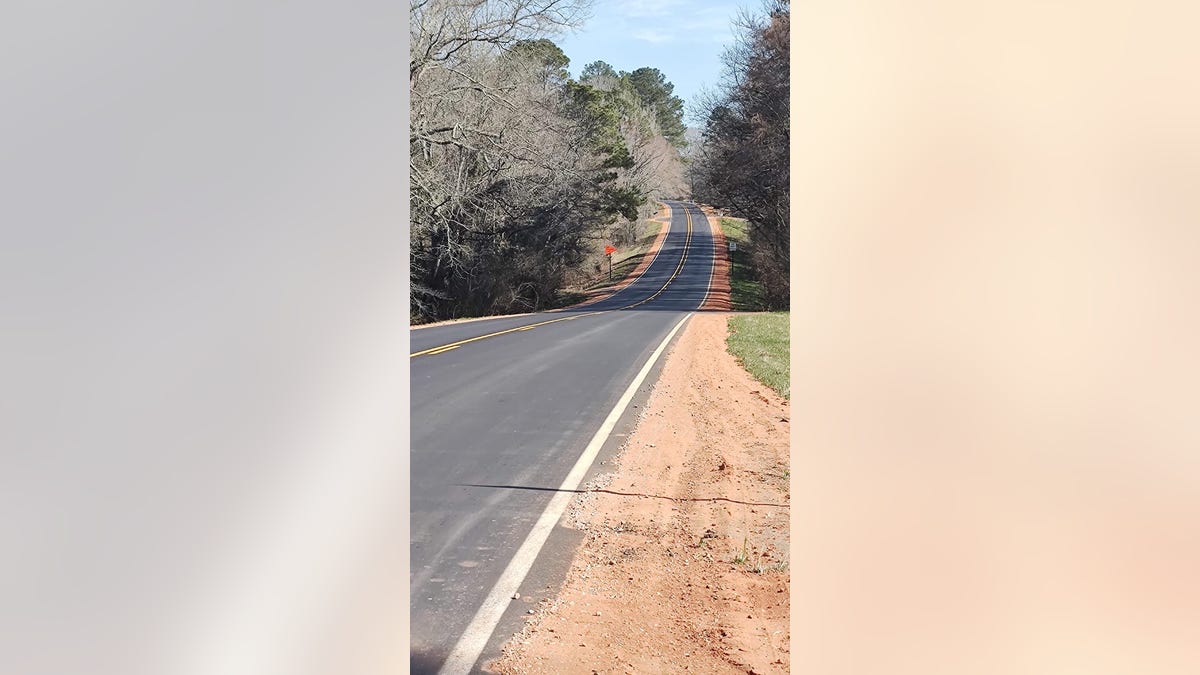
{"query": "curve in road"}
pixel 512 403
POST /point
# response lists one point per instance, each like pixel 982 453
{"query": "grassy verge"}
pixel 745 293
pixel 760 342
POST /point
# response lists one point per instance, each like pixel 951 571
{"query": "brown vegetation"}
pixel 517 172
pixel 647 258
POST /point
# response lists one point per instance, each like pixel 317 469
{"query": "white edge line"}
pixel 468 648
pixel 635 279
pixel 678 268
pixel 660 250
pixel 712 269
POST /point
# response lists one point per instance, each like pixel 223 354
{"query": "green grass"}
pixel 756 565
pixel 735 228
pixel 760 342
pixel 742 556
pixel 745 293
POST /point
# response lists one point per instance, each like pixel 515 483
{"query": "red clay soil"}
pixel 683 565
pixel 719 290
pixel 600 294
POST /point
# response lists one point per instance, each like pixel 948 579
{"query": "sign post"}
pixel 608 251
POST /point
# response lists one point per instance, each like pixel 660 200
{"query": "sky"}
pixel 682 38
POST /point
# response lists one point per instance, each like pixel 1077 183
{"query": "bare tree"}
pixel 743 164
pixel 515 171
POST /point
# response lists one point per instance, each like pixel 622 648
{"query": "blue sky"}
pixel 682 38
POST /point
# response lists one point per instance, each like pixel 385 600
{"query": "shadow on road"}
pixel 423 663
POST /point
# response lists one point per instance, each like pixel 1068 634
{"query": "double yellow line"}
pixel 455 345
pixel 687 243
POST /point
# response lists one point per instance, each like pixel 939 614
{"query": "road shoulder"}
pixel 667 578
pixel 601 294
pixel 719 289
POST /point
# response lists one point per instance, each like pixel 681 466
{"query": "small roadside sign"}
pixel 609 250
pixel 732 245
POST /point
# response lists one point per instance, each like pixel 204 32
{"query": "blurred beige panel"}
pixel 996 346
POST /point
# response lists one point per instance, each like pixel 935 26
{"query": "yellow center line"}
pixel 686 244
pixel 455 345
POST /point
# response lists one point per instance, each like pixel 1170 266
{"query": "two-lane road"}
pixel 514 402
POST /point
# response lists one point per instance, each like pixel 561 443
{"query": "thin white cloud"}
pixel 653 37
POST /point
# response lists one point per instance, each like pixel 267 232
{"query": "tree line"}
pixel 517 171
pixel 742 160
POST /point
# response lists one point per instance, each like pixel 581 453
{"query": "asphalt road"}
pixel 495 413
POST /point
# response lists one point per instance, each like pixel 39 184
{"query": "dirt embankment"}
pixel 719 290
pixel 684 565
pixel 664 217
